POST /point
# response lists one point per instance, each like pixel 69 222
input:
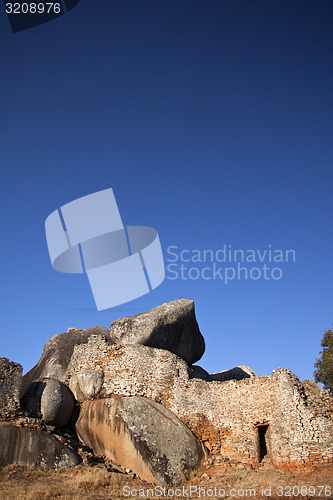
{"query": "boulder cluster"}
pixel 131 396
pixel 74 387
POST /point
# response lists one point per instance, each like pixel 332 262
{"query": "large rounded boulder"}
pixel 171 326
pixel 51 399
pixel 141 435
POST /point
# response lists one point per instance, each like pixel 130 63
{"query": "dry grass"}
pixel 96 483
pixel 28 483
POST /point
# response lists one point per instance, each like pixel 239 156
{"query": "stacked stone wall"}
pixel 10 383
pixel 223 415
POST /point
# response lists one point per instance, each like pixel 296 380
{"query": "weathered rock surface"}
pixel 57 353
pixel 50 398
pixel 143 436
pixel 10 383
pixel 237 373
pixel 171 326
pixel 86 384
pixel 31 447
pixel 317 398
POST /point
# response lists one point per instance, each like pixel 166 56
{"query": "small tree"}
pixel 324 365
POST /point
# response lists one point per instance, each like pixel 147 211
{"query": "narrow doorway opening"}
pixel 262 430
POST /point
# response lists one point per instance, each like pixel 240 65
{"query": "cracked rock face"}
pixel 31 447
pixel 171 326
pixel 143 436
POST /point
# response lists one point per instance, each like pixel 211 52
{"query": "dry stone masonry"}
pixel 10 385
pixel 229 417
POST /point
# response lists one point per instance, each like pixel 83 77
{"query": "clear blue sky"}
pixel 212 121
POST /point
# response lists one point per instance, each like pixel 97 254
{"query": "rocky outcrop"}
pixel 237 415
pixel 57 353
pixel 50 399
pixel 10 384
pixel 237 373
pixel 31 447
pixel 143 436
pixel 86 384
pixel 171 326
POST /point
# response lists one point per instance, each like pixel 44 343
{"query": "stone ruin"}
pixel 134 395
